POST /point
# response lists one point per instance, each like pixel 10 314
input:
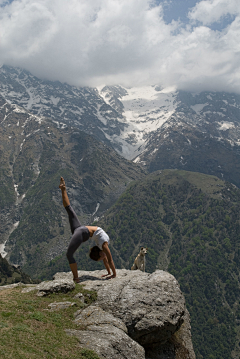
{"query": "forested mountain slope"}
pixel 191 224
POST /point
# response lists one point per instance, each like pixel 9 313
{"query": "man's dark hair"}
pixel 94 253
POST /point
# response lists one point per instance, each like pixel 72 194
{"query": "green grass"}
pixel 29 330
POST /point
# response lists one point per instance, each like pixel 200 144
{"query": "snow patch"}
pixel 3 245
pixel 22 143
pixel 55 100
pixel 16 191
pixel 155 150
pixel 225 126
pixel 2 249
pixel 100 117
pixel 98 205
pixel 198 107
pixel 18 109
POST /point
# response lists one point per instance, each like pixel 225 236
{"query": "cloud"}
pixel 91 42
pixel 210 11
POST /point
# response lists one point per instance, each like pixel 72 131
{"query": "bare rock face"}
pixel 106 335
pixel 136 315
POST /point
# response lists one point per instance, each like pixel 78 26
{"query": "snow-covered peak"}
pixel 124 118
pixel 144 110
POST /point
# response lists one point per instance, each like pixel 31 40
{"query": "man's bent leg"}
pixel 73 246
pixel 74 270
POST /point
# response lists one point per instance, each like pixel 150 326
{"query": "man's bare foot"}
pixel 76 280
pixel 62 184
pixel 111 277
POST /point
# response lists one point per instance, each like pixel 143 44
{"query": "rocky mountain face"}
pixel 122 118
pixel 34 153
pixel 201 136
pixel 135 315
pixel 159 128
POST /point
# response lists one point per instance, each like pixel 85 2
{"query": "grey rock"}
pixel 80 296
pixel 105 334
pixel 29 289
pixel 54 286
pixel 9 286
pixel 178 346
pixel 42 294
pixel 63 285
pixel 60 305
pixel 150 308
pixel 93 315
pixel 151 305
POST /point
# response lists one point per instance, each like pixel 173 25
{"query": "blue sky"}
pixel 177 10
pixel 185 44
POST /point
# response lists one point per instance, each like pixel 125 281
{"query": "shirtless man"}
pixel 81 234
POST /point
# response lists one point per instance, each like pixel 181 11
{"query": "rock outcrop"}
pixel 53 286
pixel 136 315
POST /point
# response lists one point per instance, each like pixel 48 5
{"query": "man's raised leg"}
pixel 66 203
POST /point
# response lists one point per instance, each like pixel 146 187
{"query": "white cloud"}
pixel 91 42
pixel 210 11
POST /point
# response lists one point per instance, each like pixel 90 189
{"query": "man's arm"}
pixel 105 262
pixel 106 250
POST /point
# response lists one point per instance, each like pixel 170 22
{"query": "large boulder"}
pixel 142 311
pixel 105 334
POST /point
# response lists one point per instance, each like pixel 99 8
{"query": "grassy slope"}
pixel 29 330
pixel 190 222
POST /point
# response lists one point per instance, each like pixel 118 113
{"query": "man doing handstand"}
pixel 81 234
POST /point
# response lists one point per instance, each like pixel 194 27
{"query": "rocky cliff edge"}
pixel 136 315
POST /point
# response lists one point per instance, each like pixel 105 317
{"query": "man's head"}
pixel 96 254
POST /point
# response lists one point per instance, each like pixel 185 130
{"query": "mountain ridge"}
pixel 157 128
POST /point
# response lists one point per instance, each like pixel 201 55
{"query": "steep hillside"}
pixel 190 222
pixel 12 274
pixel 34 153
